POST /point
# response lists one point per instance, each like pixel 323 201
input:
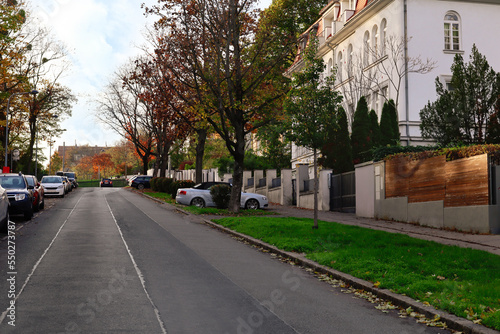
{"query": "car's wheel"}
pixel 29 213
pixel 252 204
pixel 140 186
pixel 36 208
pixel 199 202
pixel 42 205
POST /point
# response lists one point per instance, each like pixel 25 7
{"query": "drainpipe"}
pixel 407 101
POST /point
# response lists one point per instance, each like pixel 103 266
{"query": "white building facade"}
pixel 395 49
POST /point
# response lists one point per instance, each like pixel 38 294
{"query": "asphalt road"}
pixel 110 261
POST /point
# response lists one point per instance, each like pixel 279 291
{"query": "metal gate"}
pixel 343 192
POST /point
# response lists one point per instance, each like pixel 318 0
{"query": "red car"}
pixel 38 192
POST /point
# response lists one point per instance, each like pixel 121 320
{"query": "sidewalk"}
pixel 489 243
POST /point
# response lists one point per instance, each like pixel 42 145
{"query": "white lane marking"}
pixel 138 271
pixel 4 314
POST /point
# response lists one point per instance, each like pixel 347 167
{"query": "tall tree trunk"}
pixel 239 167
pixel 200 152
pixel 145 159
pixel 164 158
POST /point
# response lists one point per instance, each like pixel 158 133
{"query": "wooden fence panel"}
pixel 467 182
pixel 427 182
pixel 462 182
pixel 397 181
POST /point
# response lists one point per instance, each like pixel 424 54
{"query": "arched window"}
pixel 329 69
pixel 339 67
pixel 350 65
pixel 383 37
pixel 366 51
pixel 452 31
pixel 375 40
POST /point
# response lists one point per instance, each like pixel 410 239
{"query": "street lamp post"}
pixel 33 92
pixel 36 152
pixel 50 151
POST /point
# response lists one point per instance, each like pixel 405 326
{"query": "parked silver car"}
pixel 200 196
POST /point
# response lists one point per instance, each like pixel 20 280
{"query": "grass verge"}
pixel 161 196
pixel 465 282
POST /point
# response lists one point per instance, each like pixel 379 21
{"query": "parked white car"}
pixel 53 185
pixel 200 196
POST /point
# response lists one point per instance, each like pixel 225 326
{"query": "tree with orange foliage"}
pixel 163 109
pixel 122 108
pixel 85 167
pixel 102 165
pixel 225 64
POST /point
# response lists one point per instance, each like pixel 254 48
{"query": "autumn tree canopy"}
pixel 227 62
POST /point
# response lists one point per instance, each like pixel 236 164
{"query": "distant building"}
pixel 73 154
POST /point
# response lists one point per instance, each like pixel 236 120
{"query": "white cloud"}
pixel 101 35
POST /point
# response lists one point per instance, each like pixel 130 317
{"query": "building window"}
pixel 384 93
pixel 366 45
pixel 375 40
pixel 383 36
pixel 376 99
pixel 330 67
pixel 350 68
pixel 339 67
pixel 452 31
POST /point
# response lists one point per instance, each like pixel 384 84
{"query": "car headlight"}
pixel 61 186
pixel 20 197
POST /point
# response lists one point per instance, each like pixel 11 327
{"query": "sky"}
pixel 100 35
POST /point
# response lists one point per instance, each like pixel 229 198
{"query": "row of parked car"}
pixel 25 194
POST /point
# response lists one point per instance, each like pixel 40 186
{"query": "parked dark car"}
pixel 21 195
pixel 39 192
pixel 106 183
pixel 141 182
pixel 4 210
pixel 72 178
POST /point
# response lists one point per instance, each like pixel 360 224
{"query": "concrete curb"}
pixel 452 321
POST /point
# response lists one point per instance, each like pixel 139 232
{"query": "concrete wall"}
pixel 286 187
pixel 365 190
pixel 306 200
pixel 495 209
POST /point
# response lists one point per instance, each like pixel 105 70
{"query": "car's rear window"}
pixel 31 181
pixel 12 182
pixel 51 179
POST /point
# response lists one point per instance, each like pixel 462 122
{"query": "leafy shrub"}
pixel 221 193
pixel 165 185
pixel 451 153
pixel 380 153
pixel 154 183
pixel 180 184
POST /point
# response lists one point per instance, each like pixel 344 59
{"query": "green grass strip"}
pixel 462 281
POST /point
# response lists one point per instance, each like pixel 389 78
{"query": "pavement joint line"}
pixel 452 321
